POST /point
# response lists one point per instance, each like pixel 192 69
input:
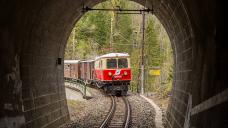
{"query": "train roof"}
pixel 110 55
pixel 71 61
pixel 87 61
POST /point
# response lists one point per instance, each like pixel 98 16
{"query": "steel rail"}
pixel 128 113
pixel 110 114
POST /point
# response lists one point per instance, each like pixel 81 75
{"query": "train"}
pixel 111 72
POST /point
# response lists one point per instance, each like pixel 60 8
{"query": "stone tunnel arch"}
pixel 36 33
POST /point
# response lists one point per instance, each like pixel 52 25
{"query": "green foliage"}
pixel 90 33
pixel 159 55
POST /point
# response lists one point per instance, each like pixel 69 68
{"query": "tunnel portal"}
pixel 34 34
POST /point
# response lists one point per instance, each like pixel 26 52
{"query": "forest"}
pixel 99 32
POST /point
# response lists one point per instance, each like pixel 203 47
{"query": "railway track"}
pixel 119 115
pixel 112 112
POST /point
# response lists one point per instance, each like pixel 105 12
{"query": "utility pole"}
pixel 111 32
pixel 142 54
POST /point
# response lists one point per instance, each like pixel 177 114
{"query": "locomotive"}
pixel 110 72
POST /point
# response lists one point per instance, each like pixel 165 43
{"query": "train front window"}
pixel 122 63
pixel 111 63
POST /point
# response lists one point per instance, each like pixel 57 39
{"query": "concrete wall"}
pixel 33 36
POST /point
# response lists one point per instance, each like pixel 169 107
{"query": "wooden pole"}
pixel 142 54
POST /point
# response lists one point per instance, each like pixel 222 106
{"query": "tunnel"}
pixel 33 37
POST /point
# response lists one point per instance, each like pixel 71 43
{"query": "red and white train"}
pixel 111 72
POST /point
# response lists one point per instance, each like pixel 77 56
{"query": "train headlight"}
pixel 125 73
pixel 109 74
